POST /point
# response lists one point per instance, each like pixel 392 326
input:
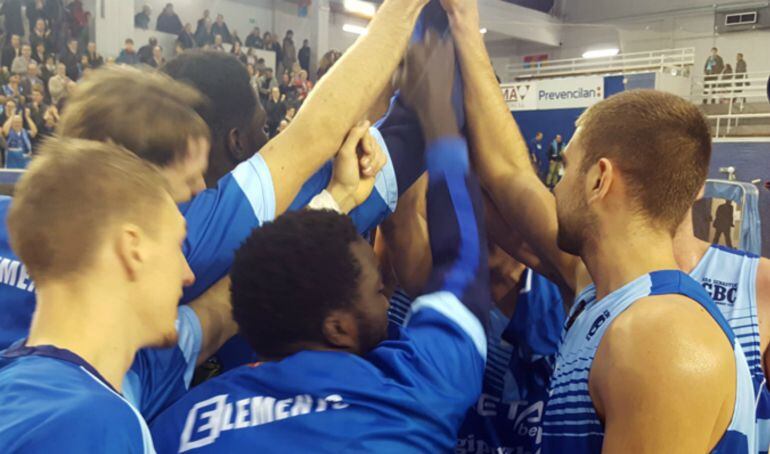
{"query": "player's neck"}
pixel 621 256
pixel 83 321
pixel 688 249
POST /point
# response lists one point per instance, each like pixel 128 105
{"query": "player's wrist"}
pixel 342 196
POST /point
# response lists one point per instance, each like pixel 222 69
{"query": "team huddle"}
pixel 164 287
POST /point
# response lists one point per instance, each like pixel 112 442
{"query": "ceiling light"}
pixel 359 7
pixel 357 29
pixel 600 53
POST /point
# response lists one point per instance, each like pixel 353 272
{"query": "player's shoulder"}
pixel 669 329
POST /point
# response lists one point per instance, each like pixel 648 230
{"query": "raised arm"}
pixel 500 153
pixel 340 100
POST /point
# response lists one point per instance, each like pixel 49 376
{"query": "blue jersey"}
pixel 571 423
pixel 218 220
pixel 520 357
pixel 53 401
pixel 407 395
pixel 730 277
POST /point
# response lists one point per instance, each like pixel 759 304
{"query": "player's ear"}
pixel 235 147
pixel 600 179
pixel 130 249
pixel 341 331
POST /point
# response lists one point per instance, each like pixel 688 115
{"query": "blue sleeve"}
pixel 159 377
pixel 219 220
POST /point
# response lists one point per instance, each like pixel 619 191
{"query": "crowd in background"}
pixel 716 70
pixel 41 60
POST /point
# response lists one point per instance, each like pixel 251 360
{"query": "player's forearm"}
pixel 348 90
pixel 214 312
pixel 495 138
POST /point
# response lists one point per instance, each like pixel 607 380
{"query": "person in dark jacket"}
pixel 204 37
pixel 202 22
pixel 304 56
pixel 145 52
pixel 220 28
pixel 186 38
pixel 713 68
pixel 128 55
pixel 11 51
pixel 14 23
pixel 254 40
pixel 276 111
pixel 168 21
pixel 289 51
pixel 95 60
pixel 142 19
pixel 70 58
pixel 35 11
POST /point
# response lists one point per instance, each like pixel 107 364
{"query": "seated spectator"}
pixel 35 12
pixel 220 28
pixel 32 79
pixel 145 52
pixel 142 19
pixel 266 84
pixel 41 34
pixel 288 89
pixel 276 111
pixel 18 144
pixel 13 88
pixel 204 37
pixel 254 40
pixel 261 67
pixel 186 38
pixel 157 58
pixel 218 43
pixel 39 54
pixel 303 85
pixel 70 58
pixel 168 21
pixel 59 85
pixel 128 55
pixel 304 56
pixel 289 56
pixel 11 51
pixel 95 60
pixel 21 63
pixel 236 50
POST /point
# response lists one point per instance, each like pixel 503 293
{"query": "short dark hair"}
pixel 128 41
pixel 289 275
pixel 224 80
pixel 659 141
pixel 714 48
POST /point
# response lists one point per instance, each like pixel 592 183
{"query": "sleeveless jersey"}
pixel 730 277
pixel 571 423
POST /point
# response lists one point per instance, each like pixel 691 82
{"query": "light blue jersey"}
pixel 571 423
pixel 730 277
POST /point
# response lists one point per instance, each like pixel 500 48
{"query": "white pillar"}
pixel 320 17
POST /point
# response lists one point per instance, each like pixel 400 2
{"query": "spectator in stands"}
pixel 32 79
pixel 220 28
pixel 145 52
pixel 218 44
pixel 59 85
pixel 266 84
pixel 14 24
pixel 236 38
pixel 275 47
pixel 39 54
pixel 288 89
pixel 740 74
pixel 18 146
pixel 186 38
pixel 261 67
pixel 21 63
pixel 303 85
pixel 204 37
pixel 37 108
pixel 253 78
pixel 168 21
pixel 128 55
pixel 70 57
pixel 54 13
pixel 35 11
pixel 727 84
pixel 536 150
pixel 289 50
pixel 712 70
pixel 202 21
pixel 13 88
pixel 142 19
pixel 254 40
pixel 50 120
pixel 238 52
pixel 157 59
pixel 304 56
pixel 290 112
pixel 284 124
pixel 83 66
pixel 12 51
pixel 327 61
pixel 276 111
pixel 47 71
pixel 40 34
pixel 267 41
pixel 95 60
pixel 78 20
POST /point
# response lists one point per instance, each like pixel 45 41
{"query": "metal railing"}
pixel 658 60
pixel 726 123
pixel 735 91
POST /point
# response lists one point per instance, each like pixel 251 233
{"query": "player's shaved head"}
pixel 73 192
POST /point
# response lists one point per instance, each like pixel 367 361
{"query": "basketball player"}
pixel 368 394
pixel 617 209
pixel 109 273
pixel 739 283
